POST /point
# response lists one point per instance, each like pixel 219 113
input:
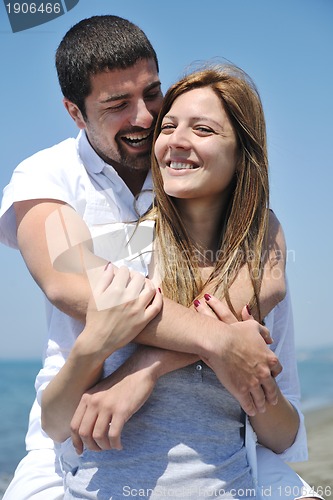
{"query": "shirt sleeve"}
pixel 49 174
pixel 281 325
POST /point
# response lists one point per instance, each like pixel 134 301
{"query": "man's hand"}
pixel 241 359
pixel 115 399
pixel 103 410
pixel 122 304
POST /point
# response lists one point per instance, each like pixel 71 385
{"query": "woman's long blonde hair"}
pixel 243 226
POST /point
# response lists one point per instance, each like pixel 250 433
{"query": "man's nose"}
pixel 141 115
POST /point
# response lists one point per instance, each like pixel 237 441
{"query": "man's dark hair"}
pixel 94 45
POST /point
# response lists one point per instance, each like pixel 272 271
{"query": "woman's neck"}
pixel 202 219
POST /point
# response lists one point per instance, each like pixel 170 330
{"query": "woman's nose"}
pixel 179 139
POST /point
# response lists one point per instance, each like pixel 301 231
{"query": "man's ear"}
pixel 75 113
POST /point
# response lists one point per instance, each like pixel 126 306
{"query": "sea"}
pixel 17 394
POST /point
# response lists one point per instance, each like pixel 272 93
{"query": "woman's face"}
pixel 197 147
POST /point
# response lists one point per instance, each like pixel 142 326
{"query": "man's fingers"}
pixel 259 399
pixel 264 332
pixel 106 277
pixel 119 281
pixel 275 367
pixel 75 425
pixel 247 404
pixel 100 431
pixel 86 428
pixel 271 391
pixel 135 285
pixel 77 442
pixel 115 428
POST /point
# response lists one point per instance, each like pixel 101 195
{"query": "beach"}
pixel 318 470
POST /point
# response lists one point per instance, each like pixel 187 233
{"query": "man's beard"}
pixel 135 161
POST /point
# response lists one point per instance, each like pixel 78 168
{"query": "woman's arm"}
pixel 278 426
pixel 122 303
pixel 280 322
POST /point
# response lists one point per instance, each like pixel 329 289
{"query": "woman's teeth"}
pixel 181 166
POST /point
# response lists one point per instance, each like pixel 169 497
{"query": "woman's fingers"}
pixel 211 306
pixel 202 307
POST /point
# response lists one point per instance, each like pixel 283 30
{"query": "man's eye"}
pixel 153 95
pixel 117 107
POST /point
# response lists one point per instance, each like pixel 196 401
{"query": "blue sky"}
pixel 285 46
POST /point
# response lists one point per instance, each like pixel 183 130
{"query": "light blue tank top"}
pixel 186 442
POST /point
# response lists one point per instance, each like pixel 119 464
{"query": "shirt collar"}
pixel 92 162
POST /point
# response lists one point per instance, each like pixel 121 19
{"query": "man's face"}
pixel 121 113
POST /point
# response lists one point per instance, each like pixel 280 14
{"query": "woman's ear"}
pixel 75 113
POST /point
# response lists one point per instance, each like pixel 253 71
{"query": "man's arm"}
pixel 148 364
pixel 56 246
pixel 105 408
pixel 50 231
pixel 121 305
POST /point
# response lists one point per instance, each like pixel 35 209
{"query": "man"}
pixel 108 72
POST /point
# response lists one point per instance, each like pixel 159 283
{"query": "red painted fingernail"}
pixel 207 296
pixel 107 265
pixel 196 303
pixel 159 290
pixel 248 309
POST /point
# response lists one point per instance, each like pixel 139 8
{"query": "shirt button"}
pixel 198 367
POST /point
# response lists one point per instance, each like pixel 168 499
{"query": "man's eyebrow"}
pixel 119 97
pixel 115 97
pixel 153 85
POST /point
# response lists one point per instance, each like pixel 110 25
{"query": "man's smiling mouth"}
pixel 137 139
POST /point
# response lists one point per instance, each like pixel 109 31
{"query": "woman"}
pixel 211 215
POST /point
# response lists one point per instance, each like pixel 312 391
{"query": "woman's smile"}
pixel 197 147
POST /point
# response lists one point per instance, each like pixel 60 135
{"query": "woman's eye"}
pixel 167 127
pixel 205 130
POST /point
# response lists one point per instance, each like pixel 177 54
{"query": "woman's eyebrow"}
pixel 194 119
